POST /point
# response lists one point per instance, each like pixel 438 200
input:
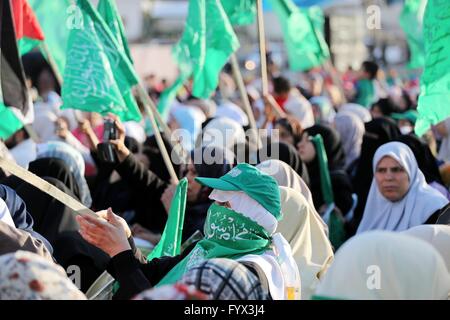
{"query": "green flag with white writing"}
pixel 170 243
pixel 303 34
pixel 240 12
pixel 98 75
pixel 411 20
pixel 434 99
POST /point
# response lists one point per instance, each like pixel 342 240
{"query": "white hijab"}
pixel 419 203
pixel 299 107
pixel 228 109
pixel 287 177
pixel 358 110
pixel 5 215
pixel 278 264
pixel 310 245
pixel 351 129
pixel 437 235
pixel 383 265
pixel 223 132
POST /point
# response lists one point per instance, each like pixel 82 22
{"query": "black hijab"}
pixel 332 143
pixel 55 168
pixel 288 154
pixel 425 159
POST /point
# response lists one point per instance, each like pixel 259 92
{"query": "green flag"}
pixel 207 42
pixel 332 217
pixel 240 12
pixel 98 76
pixel 303 34
pixel 411 20
pixel 434 99
pixel 170 243
pixel 109 12
pixel 9 123
pixel 56 17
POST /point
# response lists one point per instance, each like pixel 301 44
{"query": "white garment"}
pixel 383 265
pixel 311 248
pixel 438 235
pixel 419 203
pixel 278 263
pixel 223 132
pixel 299 107
pixel 5 215
pixel 228 109
pixel 24 153
pixel 287 177
pixel 357 109
pixel 134 130
pixel 351 129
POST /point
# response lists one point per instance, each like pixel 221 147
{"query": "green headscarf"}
pixel 228 234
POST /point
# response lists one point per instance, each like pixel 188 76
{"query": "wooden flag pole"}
pixel 52 63
pixel 262 48
pixel 148 102
pixel 157 133
pixel 262 55
pixel 44 186
pixel 244 96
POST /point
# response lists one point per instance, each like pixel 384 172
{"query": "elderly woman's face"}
pixel 392 179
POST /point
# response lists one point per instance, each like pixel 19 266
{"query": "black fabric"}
pixel 444 215
pixel 135 276
pixel 50 216
pixel 288 154
pixel 332 143
pixel 156 162
pixel 58 169
pixel 12 76
pixel 21 217
pixel 426 161
pixel 378 132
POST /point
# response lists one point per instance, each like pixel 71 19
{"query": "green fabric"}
pixel 411 20
pixel 207 42
pixel 54 18
pixel 170 243
pixel 168 96
pixel 334 219
pixel 98 76
pixel 25 45
pixel 228 234
pixel 410 115
pixel 257 185
pixel 240 12
pixel 365 93
pixel 109 12
pixel 434 96
pixel 326 187
pixel 303 34
pixel 9 123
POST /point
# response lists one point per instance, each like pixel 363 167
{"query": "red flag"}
pixel 28 30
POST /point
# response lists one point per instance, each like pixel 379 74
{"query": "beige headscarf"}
pixel 437 235
pixel 287 177
pixel 386 265
pixel 311 248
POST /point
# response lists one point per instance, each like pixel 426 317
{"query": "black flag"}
pixel 13 90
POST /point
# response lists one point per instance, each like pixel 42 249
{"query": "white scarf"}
pixel 419 203
pixel 278 265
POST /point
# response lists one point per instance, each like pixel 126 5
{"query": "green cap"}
pixel 256 184
pixel 410 115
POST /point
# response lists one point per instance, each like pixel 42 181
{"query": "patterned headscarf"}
pixel 225 279
pixel 27 276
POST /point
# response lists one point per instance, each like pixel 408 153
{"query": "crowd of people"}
pixel 261 208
